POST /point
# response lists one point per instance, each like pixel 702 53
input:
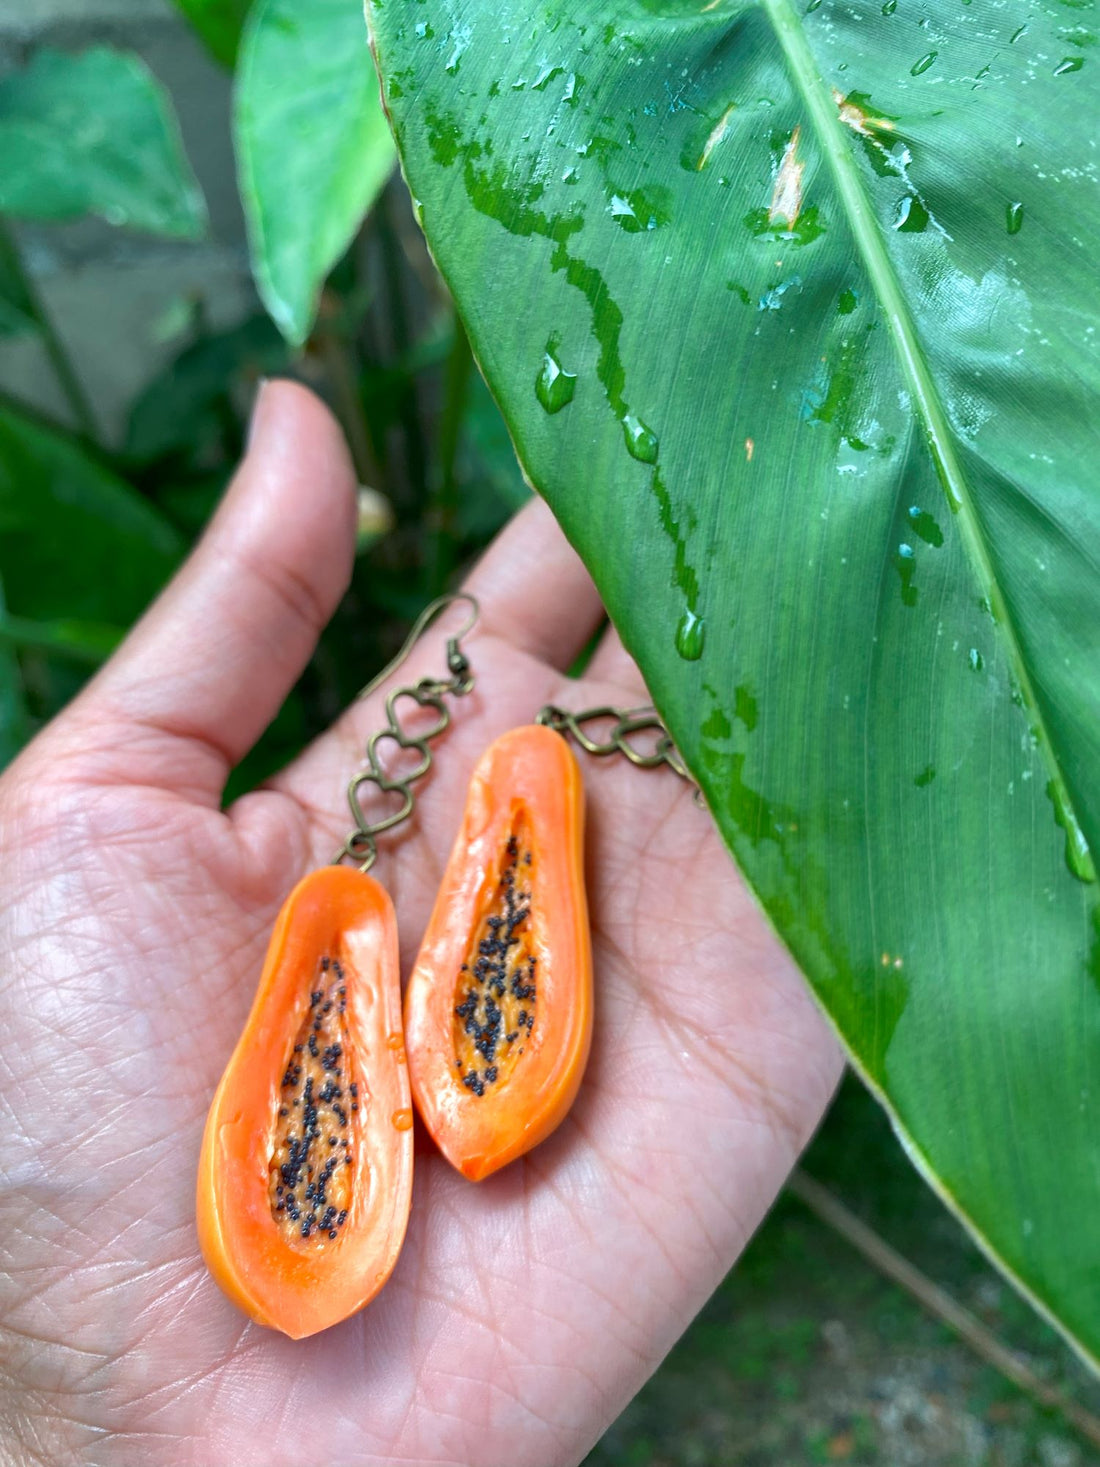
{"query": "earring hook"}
pixel 457 662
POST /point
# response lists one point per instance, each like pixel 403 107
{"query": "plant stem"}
pixel 331 342
pixel 832 1212
pixel 392 259
pixel 66 376
pixel 456 383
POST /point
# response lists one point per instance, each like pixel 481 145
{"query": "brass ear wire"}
pixel 361 844
pixel 457 663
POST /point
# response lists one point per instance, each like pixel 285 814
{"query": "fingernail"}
pixel 257 412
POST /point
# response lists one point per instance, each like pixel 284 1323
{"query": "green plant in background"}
pixel 791 318
pixel 90 530
pixel 219 23
pixel 344 151
pixel 85 134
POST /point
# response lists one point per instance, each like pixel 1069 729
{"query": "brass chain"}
pixel 361 844
pixel 626 724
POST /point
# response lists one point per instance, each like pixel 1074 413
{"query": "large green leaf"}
pixel 218 23
pixel 313 148
pixel 77 545
pixel 793 318
pixel 94 134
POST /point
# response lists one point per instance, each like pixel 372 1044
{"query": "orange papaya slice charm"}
pixel 305 1176
pixel 498 1011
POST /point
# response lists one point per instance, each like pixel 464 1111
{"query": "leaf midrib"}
pixel 923 391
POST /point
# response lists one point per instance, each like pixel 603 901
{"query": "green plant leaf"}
pixel 313 147
pixel 218 23
pixel 793 316
pixel 95 134
pixel 76 543
pixel 90 642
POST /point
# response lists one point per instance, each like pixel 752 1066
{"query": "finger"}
pixel 534 591
pixel 208 666
pixel 612 663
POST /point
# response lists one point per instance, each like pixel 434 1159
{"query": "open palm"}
pixel 523 1312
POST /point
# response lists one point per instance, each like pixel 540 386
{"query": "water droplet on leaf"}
pixel 905 564
pixel 545 76
pixel 911 216
pixel 925 525
pixel 690 636
pixel 641 441
pixel 1014 217
pixel 554 386
pixel 920 66
pixel 1078 856
pixel 772 299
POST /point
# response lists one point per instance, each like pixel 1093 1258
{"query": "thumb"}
pixel 206 669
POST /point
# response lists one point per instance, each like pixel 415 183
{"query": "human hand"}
pixel 525 1311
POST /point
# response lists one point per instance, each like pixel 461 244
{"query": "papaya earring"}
pixel 498 1011
pixel 305 1174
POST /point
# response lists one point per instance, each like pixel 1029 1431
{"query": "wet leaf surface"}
pixel 823 284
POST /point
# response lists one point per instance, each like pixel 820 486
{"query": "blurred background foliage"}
pixel 131 345
pixel 93 519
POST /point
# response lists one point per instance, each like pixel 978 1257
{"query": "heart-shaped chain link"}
pixel 361 844
pixel 625 724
